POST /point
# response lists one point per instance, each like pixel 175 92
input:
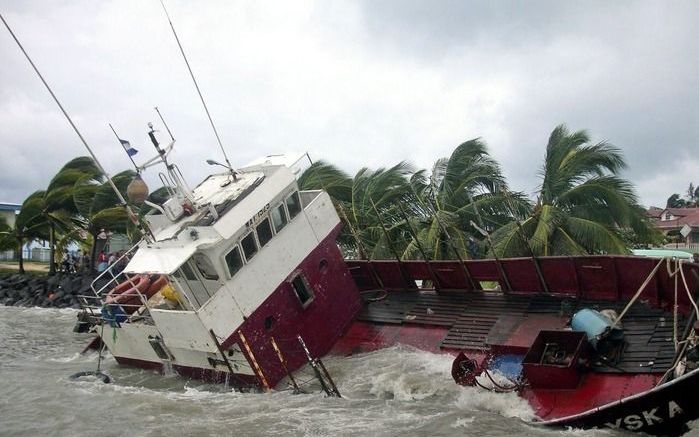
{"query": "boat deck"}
pixel 483 320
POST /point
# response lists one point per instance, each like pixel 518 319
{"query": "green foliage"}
pixel 356 199
pixel 468 187
pixel 583 206
pixel 690 200
pixel 99 207
pixel 675 201
pixel 75 206
pixel 321 175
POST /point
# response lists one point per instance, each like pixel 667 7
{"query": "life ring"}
pixel 97 374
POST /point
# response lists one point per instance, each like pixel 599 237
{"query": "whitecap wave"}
pixel 505 404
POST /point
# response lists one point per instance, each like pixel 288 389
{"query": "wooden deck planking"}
pixel 471 317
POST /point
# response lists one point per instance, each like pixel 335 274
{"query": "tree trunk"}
pixel 93 254
pixel 52 249
pixel 20 258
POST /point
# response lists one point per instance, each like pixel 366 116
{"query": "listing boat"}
pixel 252 287
pixel 594 341
pixel 248 284
pixel 240 280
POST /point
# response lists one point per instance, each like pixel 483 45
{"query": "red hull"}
pixel 460 317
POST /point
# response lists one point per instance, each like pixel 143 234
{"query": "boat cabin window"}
pixel 178 280
pixel 249 246
pixel 293 204
pixel 188 273
pixel 205 267
pixel 234 261
pixel 197 280
pixel 303 290
pixel 264 232
pixel 279 217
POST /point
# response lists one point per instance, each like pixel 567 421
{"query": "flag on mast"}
pixel 127 146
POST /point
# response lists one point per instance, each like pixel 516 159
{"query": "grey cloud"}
pixel 625 71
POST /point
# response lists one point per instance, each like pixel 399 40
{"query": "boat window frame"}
pixel 306 285
pixel 298 200
pixel 241 256
pixel 180 281
pixel 255 242
pixel 271 231
pixel 284 214
pixel 186 268
pixel 200 256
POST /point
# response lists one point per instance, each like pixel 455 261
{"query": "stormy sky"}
pixel 357 83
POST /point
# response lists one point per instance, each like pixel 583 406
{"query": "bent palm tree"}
pixel 59 207
pixel 355 199
pixel 583 205
pixel 468 187
pixel 99 208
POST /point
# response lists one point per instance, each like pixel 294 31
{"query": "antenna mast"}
pixel 201 97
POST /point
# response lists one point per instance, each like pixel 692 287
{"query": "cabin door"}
pixel 192 285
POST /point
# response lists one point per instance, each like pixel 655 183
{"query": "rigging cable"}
pixel 201 97
pixel 121 198
pixel 130 212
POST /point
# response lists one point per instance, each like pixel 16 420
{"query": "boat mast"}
pixel 130 212
pixel 201 97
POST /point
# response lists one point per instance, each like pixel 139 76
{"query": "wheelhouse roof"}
pixel 178 241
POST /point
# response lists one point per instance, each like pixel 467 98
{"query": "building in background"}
pixel 8 211
pixel 680 226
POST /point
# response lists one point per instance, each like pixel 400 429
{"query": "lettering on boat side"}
pixel 635 422
pixel 257 217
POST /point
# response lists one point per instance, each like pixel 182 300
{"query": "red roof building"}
pixel 671 221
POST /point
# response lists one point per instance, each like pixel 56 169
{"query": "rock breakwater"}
pixel 57 291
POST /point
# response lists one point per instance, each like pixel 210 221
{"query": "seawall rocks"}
pixel 57 291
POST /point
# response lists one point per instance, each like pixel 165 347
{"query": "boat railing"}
pixel 96 306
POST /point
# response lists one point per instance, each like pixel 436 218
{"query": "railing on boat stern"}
pixel 95 306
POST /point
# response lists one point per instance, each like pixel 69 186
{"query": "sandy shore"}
pixel 28 266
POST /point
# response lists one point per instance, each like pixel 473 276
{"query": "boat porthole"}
pixel 323 266
pixel 269 322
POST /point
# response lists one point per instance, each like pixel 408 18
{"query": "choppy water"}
pixel 397 391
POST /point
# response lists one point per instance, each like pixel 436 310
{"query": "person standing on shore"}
pixel 101 262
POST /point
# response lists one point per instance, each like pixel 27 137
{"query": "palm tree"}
pixel 99 208
pixel 358 199
pixel 28 226
pixel 372 210
pixel 59 207
pixel 324 176
pixel 583 206
pixel 466 188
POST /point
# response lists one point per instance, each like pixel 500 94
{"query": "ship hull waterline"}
pixel 663 410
